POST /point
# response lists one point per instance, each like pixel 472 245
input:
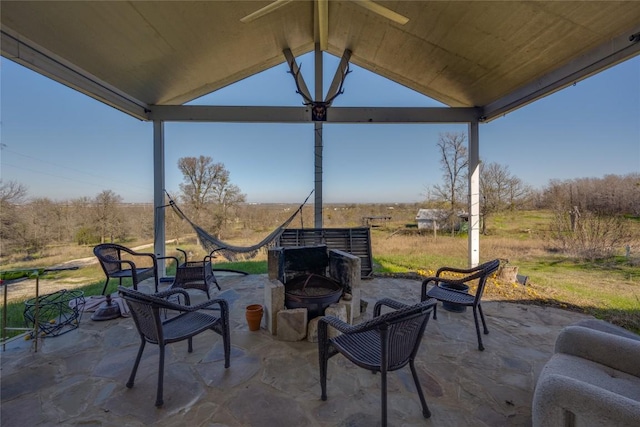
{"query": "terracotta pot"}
pixel 254 316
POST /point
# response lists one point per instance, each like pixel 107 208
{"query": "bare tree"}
pixel 207 185
pixel 12 192
pixel 454 163
pixel 107 215
pixel 226 197
pixel 12 227
pixel 499 190
pixel 85 230
pixel 610 195
pixel 592 236
pixel 42 216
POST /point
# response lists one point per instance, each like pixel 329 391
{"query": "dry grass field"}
pixel 608 289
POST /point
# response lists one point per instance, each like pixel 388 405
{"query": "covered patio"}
pixel 148 59
pixel 480 59
pixel 79 378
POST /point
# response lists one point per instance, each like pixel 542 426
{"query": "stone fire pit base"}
pixel 293 324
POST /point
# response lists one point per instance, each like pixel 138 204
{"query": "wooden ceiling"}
pixel 493 55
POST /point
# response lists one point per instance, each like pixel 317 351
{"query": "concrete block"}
pixel 345 268
pixel 347 305
pixel 312 329
pixel 292 324
pixel 274 263
pixel 339 311
pixel 273 303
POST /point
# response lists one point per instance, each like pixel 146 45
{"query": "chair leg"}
pixel 435 307
pixel 190 341
pixel 132 377
pixel 105 285
pixel 425 409
pixel 159 401
pixel 323 372
pixel 383 390
pixel 475 318
pixel 226 341
pixel 484 324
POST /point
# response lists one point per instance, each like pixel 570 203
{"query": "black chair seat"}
pixel 448 295
pixel 188 324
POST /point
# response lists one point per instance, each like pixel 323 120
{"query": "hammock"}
pixel 231 252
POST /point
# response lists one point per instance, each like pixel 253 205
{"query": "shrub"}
pixel 588 235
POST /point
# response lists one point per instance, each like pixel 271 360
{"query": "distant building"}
pixel 437 219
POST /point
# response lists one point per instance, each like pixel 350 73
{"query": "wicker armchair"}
pixel 386 343
pixel 190 321
pixel 119 262
pixel 453 291
pixel 195 274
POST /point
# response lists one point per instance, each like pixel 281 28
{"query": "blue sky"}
pixel 63 145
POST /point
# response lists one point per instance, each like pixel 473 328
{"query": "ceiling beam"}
pixel 402 115
pixel 237 114
pixel 260 114
pixel 322 24
pixel 303 90
pixel 598 59
pixel 40 60
pixel 264 11
pixel 338 79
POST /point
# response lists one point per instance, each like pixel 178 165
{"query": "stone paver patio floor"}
pixel 79 378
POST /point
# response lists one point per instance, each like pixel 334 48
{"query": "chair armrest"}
pixel 611 350
pixel 140 254
pixel 160 300
pixel 131 264
pixel 170 257
pixel 166 294
pixel 184 254
pixel 396 305
pixel 555 394
pixel 456 270
pixel 338 324
pixel 224 305
pixel 212 255
pixel 187 306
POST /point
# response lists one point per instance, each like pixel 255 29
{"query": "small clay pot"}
pixel 254 316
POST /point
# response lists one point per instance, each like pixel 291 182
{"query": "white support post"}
pixel 159 236
pixel 474 194
pixel 318 141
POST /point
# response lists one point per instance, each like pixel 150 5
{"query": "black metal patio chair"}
pixel 453 290
pixel 386 343
pixel 189 322
pixel 195 274
pixel 120 262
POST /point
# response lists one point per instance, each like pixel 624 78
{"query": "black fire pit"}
pixel 313 292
